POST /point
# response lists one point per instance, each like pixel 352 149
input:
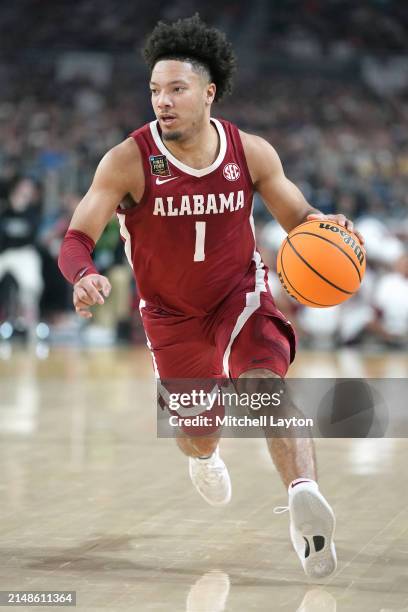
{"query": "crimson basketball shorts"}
pixel 245 332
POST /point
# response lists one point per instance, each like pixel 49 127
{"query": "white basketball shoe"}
pixel 211 479
pixel 312 525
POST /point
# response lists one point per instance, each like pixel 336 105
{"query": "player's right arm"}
pixel 119 173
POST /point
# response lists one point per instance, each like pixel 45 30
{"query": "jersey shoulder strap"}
pixel 235 146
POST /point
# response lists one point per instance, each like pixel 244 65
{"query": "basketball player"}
pixel 182 187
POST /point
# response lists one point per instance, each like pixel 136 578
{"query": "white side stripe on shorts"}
pixel 253 302
pixel 253 298
pixel 142 304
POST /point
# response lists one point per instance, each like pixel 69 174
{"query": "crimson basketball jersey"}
pixel 190 240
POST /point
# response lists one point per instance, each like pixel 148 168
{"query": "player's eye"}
pixel 153 92
pixel 179 89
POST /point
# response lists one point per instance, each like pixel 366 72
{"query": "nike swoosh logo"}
pixel 160 182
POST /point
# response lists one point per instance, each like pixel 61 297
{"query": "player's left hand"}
pixel 340 220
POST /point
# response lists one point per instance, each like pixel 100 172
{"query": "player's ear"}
pixel 210 93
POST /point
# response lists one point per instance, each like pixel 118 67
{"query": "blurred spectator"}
pixel 110 260
pixel 381 245
pixel 19 257
pixel 55 224
pixel 390 300
pixel 57 295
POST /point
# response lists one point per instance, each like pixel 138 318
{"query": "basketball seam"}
pixel 294 288
pixel 316 272
pixel 334 244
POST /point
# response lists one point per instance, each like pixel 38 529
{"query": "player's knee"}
pixel 258 380
pixel 263 392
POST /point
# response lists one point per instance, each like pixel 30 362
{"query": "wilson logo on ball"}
pixel 347 239
pixel 231 172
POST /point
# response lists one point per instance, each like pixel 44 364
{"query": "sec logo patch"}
pixel 231 172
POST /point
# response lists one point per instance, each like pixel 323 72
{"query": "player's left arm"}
pixel 282 198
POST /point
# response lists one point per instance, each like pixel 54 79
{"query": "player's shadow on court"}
pixel 86 556
pixel 97 555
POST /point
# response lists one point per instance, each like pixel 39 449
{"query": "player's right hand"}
pixel 88 291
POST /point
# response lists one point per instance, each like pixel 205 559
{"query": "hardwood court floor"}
pixel 92 501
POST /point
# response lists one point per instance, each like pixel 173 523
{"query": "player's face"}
pixel 181 98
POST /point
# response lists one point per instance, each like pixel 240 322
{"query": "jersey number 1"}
pixel 199 254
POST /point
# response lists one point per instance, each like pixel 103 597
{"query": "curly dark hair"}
pixel 192 40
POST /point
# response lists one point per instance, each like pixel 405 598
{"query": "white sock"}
pixel 303 483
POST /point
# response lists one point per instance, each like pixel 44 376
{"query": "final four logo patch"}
pixel 159 165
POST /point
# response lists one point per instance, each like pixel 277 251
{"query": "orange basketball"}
pixel 321 264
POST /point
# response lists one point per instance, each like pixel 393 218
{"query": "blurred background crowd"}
pixel 325 81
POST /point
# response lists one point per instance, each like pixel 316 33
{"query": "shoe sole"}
pixel 319 521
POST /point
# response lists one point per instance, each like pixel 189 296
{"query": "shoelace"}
pixel 280 509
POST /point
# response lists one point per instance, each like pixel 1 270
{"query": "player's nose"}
pixel 164 101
